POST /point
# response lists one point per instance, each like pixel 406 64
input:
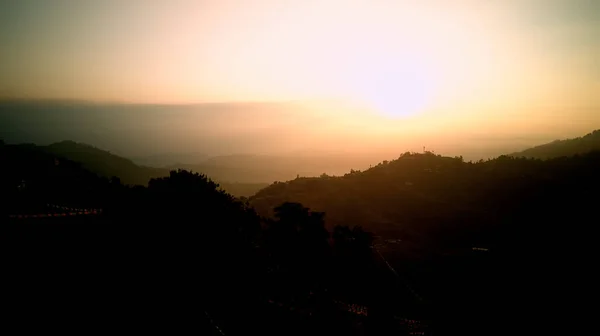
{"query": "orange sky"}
pixel 506 63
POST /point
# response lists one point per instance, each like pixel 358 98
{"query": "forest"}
pixel 420 244
pixel 299 168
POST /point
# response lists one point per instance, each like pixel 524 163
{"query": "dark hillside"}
pixel 558 148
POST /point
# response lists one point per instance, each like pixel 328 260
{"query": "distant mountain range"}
pixel 105 163
pixel 559 148
pixel 165 135
pixel 245 175
pixel 241 175
pixel 108 165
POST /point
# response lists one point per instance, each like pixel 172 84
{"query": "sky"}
pixel 491 64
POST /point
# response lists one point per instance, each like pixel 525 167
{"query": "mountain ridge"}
pixel 567 147
pixel 106 164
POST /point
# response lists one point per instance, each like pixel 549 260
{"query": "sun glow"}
pixel 397 93
pixel 395 84
pixel 394 60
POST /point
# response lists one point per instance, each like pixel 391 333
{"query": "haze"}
pixel 344 75
pixel 299 167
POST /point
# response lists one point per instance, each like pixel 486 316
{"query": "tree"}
pixel 298 235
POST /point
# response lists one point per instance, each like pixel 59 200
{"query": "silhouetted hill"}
pixel 302 271
pixel 105 163
pixel 568 147
pixel 181 240
pixel 432 215
pixel 108 165
pixel 428 198
pixel 32 177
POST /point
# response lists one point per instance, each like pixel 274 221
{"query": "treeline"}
pixel 282 262
pixel 160 255
pixel 534 218
pixel 109 165
pixel 446 202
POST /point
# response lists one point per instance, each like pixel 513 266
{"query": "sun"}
pixel 398 94
pixel 397 99
pixel 395 89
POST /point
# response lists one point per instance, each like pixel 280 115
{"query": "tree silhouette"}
pixel 484 234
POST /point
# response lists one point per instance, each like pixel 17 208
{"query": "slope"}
pixel 105 163
pixel 568 147
pixel 441 201
pixel 108 165
pixel 30 178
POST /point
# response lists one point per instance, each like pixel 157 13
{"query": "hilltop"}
pixel 431 199
pixel 107 164
pixel 568 147
pixel 104 163
pixel 32 177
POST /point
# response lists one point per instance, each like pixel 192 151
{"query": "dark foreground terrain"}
pixel 83 253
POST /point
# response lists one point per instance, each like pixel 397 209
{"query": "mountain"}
pixel 107 164
pixel 143 132
pixel 568 147
pixel 484 234
pixel 478 233
pixel 31 177
pixel 141 236
pixel 444 201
